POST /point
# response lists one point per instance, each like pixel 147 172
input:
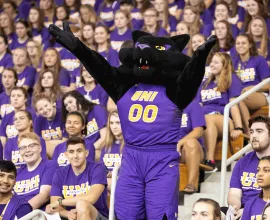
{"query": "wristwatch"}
pixel 60 202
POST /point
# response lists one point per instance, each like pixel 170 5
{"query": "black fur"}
pixel 180 74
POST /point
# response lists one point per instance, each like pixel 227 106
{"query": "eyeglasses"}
pixel 30 147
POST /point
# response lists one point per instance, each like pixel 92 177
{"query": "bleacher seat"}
pixel 262 111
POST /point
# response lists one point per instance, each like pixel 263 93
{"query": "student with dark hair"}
pixel 243 184
pixel 89 200
pixel 11 206
pixel 75 126
pixel 254 206
pixel 5 54
pixel 206 209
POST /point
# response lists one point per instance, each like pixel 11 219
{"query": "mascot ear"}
pixel 181 41
pixel 137 34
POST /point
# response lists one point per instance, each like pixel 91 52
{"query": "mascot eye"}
pixel 160 48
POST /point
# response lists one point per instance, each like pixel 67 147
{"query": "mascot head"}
pixel 155 56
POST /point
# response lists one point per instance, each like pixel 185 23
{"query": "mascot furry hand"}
pixel 154 60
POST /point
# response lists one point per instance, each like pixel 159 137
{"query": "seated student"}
pixel 92 91
pixel 190 143
pixel 23 123
pixel 75 127
pixel 254 206
pixel 206 209
pixel 48 124
pixel 89 200
pixel 111 153
pixel 11 205
pixel 34 178
pixel 243 184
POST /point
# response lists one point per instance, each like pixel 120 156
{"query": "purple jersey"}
pixel 67 185
pixel 61 159
pixel 49 130
pixel 5 106
pixel 6 62
pixel 192 117
pixel 117 40
pixel 41 36
pixel 214 100
pixel 253 209
pixel 149 120
pixel 27 77
pixel 12 153
pixel 17 208
pixel 111 56
pixel 97 95
pixel 244 177
pixel 96 120
pixel 28 183
pixel 111 157
pixel 253 71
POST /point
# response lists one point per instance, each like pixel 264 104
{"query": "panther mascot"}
pixel 151 88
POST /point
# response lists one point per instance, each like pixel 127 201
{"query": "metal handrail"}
pixel 225 162
pixel 32 215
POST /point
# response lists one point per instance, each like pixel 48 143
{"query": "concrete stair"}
pixel 210 188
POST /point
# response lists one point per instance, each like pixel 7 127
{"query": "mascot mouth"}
pixel 143 64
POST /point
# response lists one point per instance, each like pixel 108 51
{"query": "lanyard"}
pixel 2 214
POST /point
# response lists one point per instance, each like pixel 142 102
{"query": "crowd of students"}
pixel 54 114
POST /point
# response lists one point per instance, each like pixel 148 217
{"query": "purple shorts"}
pixel 148 185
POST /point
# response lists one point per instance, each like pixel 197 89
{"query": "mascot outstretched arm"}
pixel 151 88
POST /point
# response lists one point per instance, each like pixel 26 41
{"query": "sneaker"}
pixel 209 165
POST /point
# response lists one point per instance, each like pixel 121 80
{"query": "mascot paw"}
pixel 207 46
pixel 64 37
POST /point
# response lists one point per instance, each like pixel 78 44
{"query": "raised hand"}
pixel 64 37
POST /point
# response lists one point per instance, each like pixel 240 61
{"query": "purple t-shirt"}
pixel 111 56
pixel 253 71
pixel 96 120
pixel 6 62
pixel 111 157
pixel 206 17
pixel 49 130
pixel 176 5
pixel 67 185
pixel 117 40
pixel 192 117
pixel 61 159
pixel 5 106
pixel 64 77
pixel 244 177
pixel 41 36
pixel 106 13
pixel 161 32
pixel 28 183
pixel 27 77
pixel 97 95
pixel 15 43
pixel 149 119
pixel 253 209
pixel 12 153
pixel 214 100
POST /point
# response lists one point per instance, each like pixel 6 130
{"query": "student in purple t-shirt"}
pixel 34 179
pixel 254 207
pixel 34 51
pixel 9 80
pixel 252 69
pixel 48 6
pixel 6 23
pixel 61 13
pixel 175 8
pixel 79 189
pixel 104 48
pixel 191 144
pixel 88 13
pixel 122 31
pixel 151 25
pixel 75 126
pixel 91 90
pixel 96 116
pixel 166 20
pixel 88 31
pixel 11 206
pixel 48 124
pixel 258 30
pixel 73 8
pixel 36 20
pixel 23 34
pixel 243 184
pixel 52 61
pixel 23 123
pixel 214 94
pixel 111 153
pixel 5 54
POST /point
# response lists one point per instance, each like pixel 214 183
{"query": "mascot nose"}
pixel 143 46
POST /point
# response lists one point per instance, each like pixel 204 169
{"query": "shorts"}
pixel 148 185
